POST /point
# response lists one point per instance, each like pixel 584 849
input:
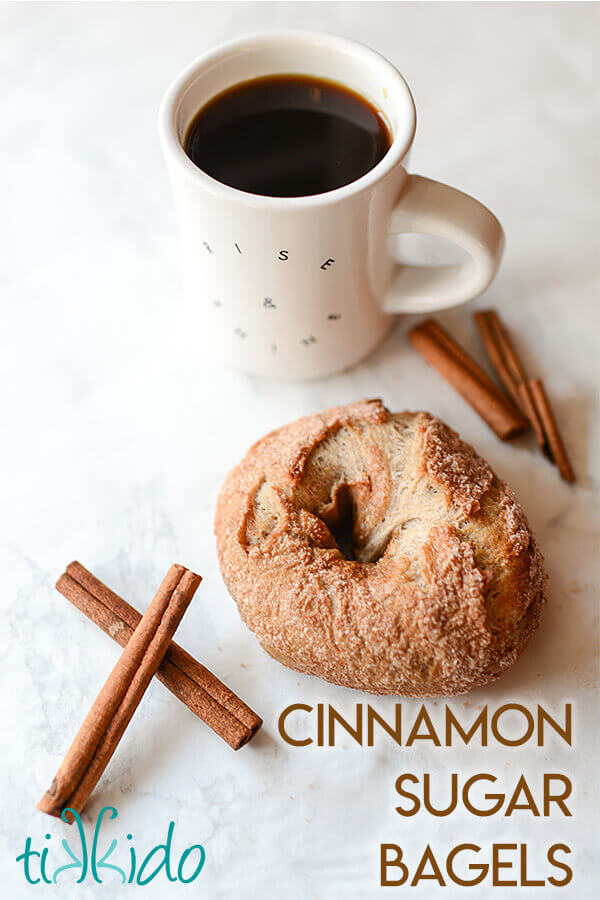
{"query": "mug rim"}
pixel 401 142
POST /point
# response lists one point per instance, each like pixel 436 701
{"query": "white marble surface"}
pixel 117 433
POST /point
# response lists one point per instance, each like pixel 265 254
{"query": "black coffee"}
pixel 287 136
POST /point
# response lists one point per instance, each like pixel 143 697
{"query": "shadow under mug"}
pixel 301 287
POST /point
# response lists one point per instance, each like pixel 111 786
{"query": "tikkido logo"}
pixel 89 862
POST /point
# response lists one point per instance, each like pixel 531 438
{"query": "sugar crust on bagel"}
pixel 380 552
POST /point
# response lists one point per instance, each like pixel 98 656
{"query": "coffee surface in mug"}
pixel 287 136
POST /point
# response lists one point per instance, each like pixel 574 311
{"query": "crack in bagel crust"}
pixel 380 552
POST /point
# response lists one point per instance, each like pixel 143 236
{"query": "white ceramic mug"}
pixel 305 286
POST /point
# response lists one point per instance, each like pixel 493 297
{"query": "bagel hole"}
pixel 339 518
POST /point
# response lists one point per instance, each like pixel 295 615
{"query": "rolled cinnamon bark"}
pixel 551 430
pixel 116 703
pixel 191 682
pixel 471 382
pixel 486 330
pixel 461 355
pixel 529 407
pixel 508 367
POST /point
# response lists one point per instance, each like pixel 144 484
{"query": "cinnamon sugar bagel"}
pixel 380 552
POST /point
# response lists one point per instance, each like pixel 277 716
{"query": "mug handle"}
pixel 429 207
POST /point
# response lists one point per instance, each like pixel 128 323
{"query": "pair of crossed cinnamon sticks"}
pixel 527 403
pixel 149 650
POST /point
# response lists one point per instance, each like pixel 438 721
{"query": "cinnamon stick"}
pixel 117 701
pixel 551 430
pixel 530 409
pixel 508 367
pixel 450 344
pixel 488 335
pixel 191 682
pixel 471 382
